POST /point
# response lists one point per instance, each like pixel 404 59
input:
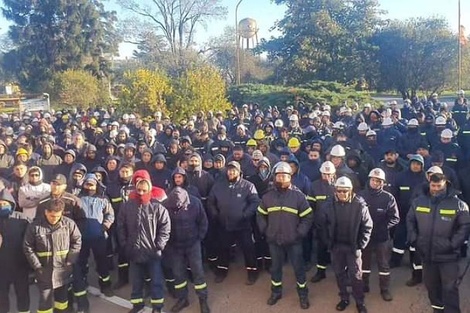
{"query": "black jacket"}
pixel 143 230
pixel 438 226
pixel 359 226
pixel 188 218
pixel 12 230
pixel 233 204
pixel 284 216
pixel 383 209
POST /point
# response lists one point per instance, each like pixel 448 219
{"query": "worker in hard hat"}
pixel 347 229
pixel 383 209
pixel 285 217
pixel 321 192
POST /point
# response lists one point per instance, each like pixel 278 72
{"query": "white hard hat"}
pixel 96 114
pixel 293 117
pixel 362 126
pixel 131 116
pixel 282 167
pixel 343 182
pixel 326 113
pixel 370 132
pixel 338 151
pixel 367 105
pixel 278 123
pixel 387 121
pixel 377 173
pixel 339 125
pixel 447 133
pixel 434 170
pixel 440 120
pixel 413 122
pixel 327 168
pixel 461 92
pixel 125 116
pixel 47 115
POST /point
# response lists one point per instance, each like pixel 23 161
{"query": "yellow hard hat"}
pixel 251 143
pixel 93 121
pixel 259 134
pixel 294 142
pixel 22 151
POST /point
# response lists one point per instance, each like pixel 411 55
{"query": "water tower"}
pixel 248 31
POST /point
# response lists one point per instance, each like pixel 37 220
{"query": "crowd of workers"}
pixel 162 201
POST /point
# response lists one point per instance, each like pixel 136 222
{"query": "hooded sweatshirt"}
pixel 48 163
pixel 29 195
pixel 156 193
pixel 188 218
pixel 6 161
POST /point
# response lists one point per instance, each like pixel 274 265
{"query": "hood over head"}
pixel 178 199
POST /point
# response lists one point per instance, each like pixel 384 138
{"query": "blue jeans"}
pixel 139 274
pixel 295 254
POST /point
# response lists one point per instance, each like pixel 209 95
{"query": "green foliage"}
pixel 416 54
pixel 198 89
pixel 314 92
pixel 78 88
pixel 55 35
pixel 145 91
pixel 325 40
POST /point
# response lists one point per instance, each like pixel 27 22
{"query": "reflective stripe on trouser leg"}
pixel 277 257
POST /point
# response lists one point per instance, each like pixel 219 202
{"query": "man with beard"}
pixel 321 191
pixel 285 217
pixel 48 161
pixel 232 203
pixel 311 167
pixel 438 224
pixel 392 167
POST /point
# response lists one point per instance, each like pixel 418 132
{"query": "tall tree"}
pixel 221 51
pixel 54 35
pixel 176 20
pixel 325 39
pixel 418 54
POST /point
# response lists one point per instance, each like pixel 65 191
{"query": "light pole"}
pixel 460 51
pixel 237 41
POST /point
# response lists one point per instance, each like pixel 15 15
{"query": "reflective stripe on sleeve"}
pixel 306 212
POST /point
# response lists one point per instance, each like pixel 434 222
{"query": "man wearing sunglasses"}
pixel 32 192
pixel 347 230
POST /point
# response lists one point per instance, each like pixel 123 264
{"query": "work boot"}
pixel 342 305
pixel 319 276
pixel 386 295
pixel 304 303
pixel 416 278
pixel 361 308
pixel 252 278
pixel 395 260
pixel 204 306
pixel 274 298
pixel 181 304
pixel 107 291
pixel 137 308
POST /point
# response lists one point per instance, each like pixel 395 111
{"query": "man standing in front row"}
pixel 438 224
pixel 144 228
pixel 285 217
pixel 347 230
pixel 52 244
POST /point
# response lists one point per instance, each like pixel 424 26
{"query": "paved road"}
pixel 232 296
